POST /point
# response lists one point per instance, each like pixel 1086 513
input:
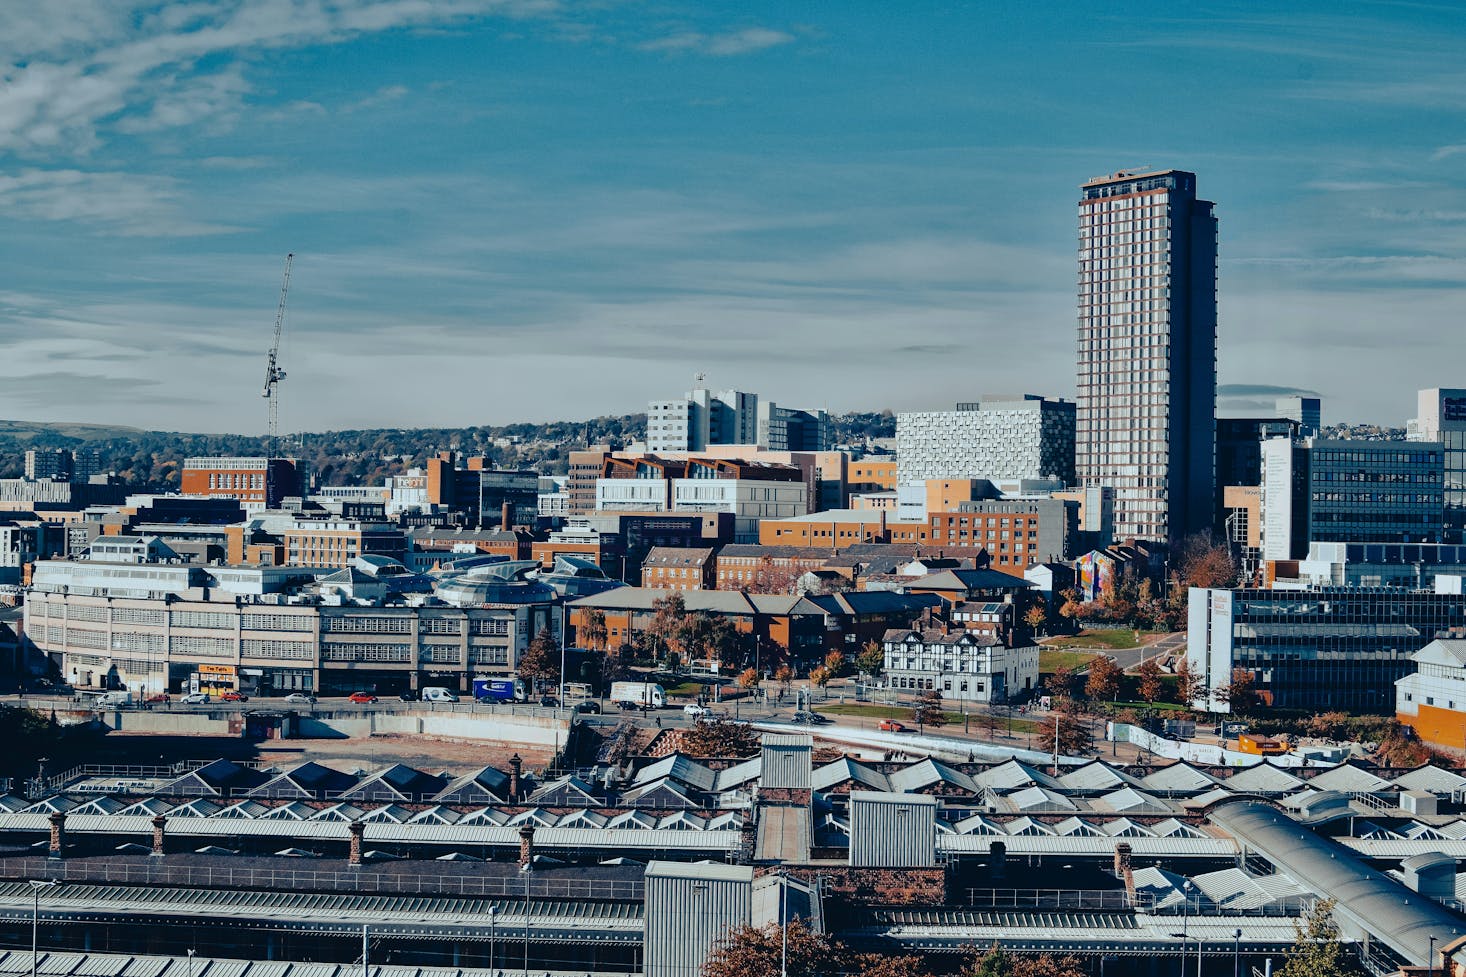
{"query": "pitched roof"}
pixel 969 580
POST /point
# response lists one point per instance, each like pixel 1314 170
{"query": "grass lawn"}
pixel 1117 640
pixel 1141 705
pixel 685 688
pixel 902 714
pixel 1073 660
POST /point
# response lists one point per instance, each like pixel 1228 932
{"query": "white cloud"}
pixel 1446 152
pixel 76 67
pixel 126 204
pixel 729 44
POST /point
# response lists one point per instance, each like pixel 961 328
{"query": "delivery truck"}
pixel 499 690
pixel 646 695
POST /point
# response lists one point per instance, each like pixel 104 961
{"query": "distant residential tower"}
pixel 1147 350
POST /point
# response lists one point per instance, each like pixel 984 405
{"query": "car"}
pixel 626 705
pixel 301 697
pixel 891 726
pixel 549 700
pixel 157 697
pixel 810 718
pixel 195 698
pixel 407 696
pixel 361 697
pixel 233 696
pixel 588 706
pixel 694 711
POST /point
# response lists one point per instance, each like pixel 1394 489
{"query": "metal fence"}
pixel 1096 899
pixel 362 881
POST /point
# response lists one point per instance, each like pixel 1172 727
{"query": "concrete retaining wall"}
pixel 165 723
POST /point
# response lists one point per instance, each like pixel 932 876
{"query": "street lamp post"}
pixel 493 961
pixel 36 886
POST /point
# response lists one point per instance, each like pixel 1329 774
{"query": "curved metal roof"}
pixel 1368 901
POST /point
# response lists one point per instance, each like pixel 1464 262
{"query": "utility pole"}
pixel 36 886
pixel 365 970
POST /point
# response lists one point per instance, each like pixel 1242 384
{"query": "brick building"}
pixel 258 483
pixel 679 568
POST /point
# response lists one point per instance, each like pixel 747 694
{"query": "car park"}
pixel 300 697
pixel 361 697
pixel 891 726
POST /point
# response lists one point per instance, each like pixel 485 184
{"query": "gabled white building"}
pixel 1433 700
pixel 960 665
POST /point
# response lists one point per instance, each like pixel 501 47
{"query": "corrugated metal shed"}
pixel 892 830
pixel 688 909
pixel 786 760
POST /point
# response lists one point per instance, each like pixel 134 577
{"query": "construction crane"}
pixel 273 373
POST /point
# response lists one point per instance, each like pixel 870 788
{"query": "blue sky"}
pixel 533 209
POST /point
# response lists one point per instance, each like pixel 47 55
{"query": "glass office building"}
pixel 1331 648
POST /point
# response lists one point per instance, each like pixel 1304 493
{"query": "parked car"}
pixel 300 697
pixel 891 726
pixel 407 696
pixel 694 711
pixel 195 698
pixel 233 696
pixel 362 697
pixel 589 706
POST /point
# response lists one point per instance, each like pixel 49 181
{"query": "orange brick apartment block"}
pixel 258 483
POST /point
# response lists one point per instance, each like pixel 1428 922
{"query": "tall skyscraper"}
pixel 1307 411
pixel 1147 383
pixel 704 418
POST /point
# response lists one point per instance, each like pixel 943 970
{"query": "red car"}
pixel 891 726
pixel 232 696
pixel 362 697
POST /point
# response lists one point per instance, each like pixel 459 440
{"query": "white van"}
pixel 436 693
pixel 115 698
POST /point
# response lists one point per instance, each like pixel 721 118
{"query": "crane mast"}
pixel 273 373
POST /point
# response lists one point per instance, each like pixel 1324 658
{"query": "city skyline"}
pixel 487 195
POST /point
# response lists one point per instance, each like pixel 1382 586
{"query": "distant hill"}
pixel 152 459
pixel 43 433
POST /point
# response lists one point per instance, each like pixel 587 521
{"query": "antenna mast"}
pixel 273 373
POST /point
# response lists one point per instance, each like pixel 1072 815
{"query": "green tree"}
pixel 994 963
pixel 928 709
pixel 1188 683
pixel 1317 950
pixel 838 664
pixel 1103 682
pixel 1240 692
pixel 872 658
pixel 1150 685
pixel 541 660
pixel 1074 737
pixel 593 630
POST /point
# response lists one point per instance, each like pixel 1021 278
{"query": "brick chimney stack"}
pixel 159 823
pixel 516 767
pixel 506 516
pixel 58 834
pixel 358 830
pixel 526 845
pixel 1122 867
